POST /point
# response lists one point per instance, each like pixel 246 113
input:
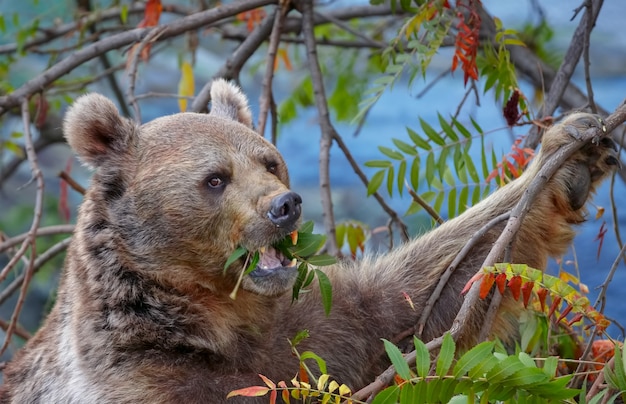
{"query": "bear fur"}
pixel 143 313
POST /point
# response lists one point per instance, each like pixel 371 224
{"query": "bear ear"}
pixel 229 102
pixel 95 130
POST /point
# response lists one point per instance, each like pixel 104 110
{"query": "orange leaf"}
pixel 268 382
pixel 486 284
pixel 151 14
pixel 469 283
pixel 515 285
pixel 527 289
pixel 501 282
pixel 285 392
pixel 252 18
pixel 185 85
pixel 281 54
pixel 304 376
pixel 541 294
pixel 252 391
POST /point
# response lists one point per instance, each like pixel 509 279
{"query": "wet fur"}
pixel 143 313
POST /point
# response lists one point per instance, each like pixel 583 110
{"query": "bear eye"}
pixel 272 168
pixel 216 182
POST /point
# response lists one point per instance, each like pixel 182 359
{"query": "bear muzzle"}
pixel 285 210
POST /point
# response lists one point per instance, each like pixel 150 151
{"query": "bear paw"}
pixel 589 165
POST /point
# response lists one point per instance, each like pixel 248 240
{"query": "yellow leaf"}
pixel 567 277
pixel 321 382
pixel 344 390
pixel 600 212
pixel 185 85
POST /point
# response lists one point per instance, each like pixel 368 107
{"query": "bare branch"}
pixel 172 29
pixel 326 140
pixel 266 87
pixel 31 240
pixel 233 65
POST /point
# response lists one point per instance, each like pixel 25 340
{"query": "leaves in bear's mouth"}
pixel 301 245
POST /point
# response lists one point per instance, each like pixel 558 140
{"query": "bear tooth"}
pixel 262 250
pixel 294 237
pixel 293 262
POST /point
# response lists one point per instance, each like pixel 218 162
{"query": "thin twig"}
pixel 133 64
pixel 326 140
pixel 418 199
pixel 40 232
pixel 72 183
pixel 39 262
pixel 452 267
pixel 266 98
pixel 231 68
pixel 194 21
pixel 31 240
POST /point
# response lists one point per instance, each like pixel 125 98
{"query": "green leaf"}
pixel 405 147
pixel 306 227
pixel 322 260
pixel 396 155
pixel 321 363
pixel 415 173
pixel 447 129
pixel 387 396
pixel 401 176
pixel 430 168
pixel 390 174
pixel 431 133
pixel 471 168
pixel 417 139
pixel 238 253
pixel 462 129
pixel 550 365
pixel 473 358
pixel 308 244
pixel 397 360
pixel 452 203
pixel 124 13
pixel 253 263
pixel 446 355
pixel 326 290
pixel 422 358
pixel 504 369
pixel 526 377
pixel 378 163
pixel 375 182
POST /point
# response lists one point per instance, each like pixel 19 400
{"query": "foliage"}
pixel 484 373
pixel 441 159
pixel 302 246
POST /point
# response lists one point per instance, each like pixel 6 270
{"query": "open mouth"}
pixel 270 261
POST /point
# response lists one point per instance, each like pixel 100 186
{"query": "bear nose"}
pixel 285 209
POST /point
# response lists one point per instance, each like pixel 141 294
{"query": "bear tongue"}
pixel 271 258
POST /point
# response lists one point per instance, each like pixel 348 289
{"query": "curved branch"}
pixel 174 28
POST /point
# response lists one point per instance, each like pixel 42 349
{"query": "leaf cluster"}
pixel 484 373
pixel 438 159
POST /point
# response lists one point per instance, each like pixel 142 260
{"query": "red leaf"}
pixel 542 294
pixel 515 285
pixel 600 238
pixel 486 284
pixel 554 305
pixel 252 391
pixel 501 282
pixel 151 14
pixel 565 312
pixel 575 319
pixel 303 375
pixel 527 289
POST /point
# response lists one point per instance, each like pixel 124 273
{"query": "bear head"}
pixel 182 192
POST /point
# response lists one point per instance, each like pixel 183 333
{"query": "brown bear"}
pixel 143 313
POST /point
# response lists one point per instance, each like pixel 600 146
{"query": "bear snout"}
pixel 285 209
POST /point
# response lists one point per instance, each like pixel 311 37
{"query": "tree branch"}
pixel 172 29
